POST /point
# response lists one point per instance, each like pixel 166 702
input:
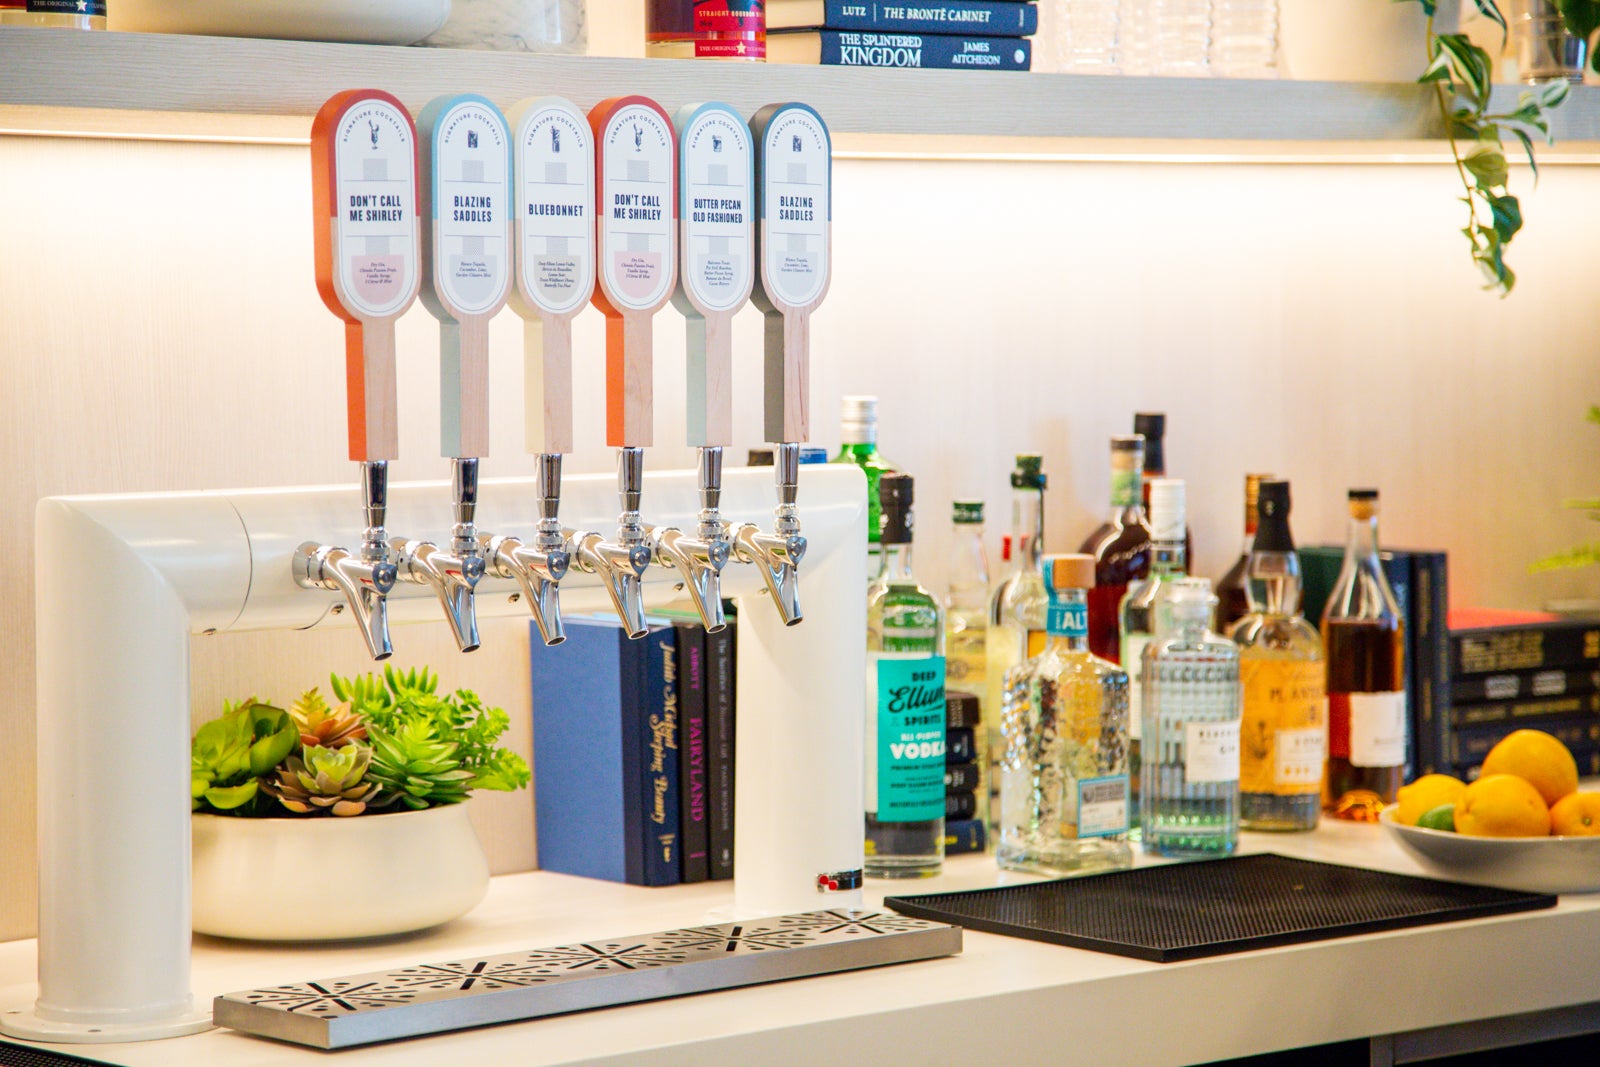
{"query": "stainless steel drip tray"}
pixel 432 998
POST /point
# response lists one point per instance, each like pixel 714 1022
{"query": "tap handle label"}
pixel 555 203
pixel 716 209
pixel 794 184
pixel 466 171
pixel 365 201
pixel 636 178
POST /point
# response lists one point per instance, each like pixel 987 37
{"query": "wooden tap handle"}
pixel 630 380
pixel 370 391
pixel 464 387
pixel 710 384
pixel 547 383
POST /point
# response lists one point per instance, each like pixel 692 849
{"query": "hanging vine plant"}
pixel 1462 76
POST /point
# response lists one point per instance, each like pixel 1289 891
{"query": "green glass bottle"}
pixel 858 437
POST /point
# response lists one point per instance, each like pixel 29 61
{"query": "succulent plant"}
pixel 321 725
pixel 232 752
pixel 331 779
pixel 414 767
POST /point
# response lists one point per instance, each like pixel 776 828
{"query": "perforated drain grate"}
pixel 1185 911
pixel 24 1056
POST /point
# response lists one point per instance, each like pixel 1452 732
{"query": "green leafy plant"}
pixel 331 778
pixel 416 768
pixel 232 752
pixel 321 725
pixel 1462 76
pixel 1582 555
pixel 1582 18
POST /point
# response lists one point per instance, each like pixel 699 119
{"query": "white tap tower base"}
pixel 124 581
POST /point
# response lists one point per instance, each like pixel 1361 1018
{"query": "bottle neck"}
pixel 1361 542
pixel 1168 559
pixel 1027 527
pixel 1274 587
pixel 896 563
pixel 1067 620
pixel 1128 489
pixel 970 566
pixel 860 449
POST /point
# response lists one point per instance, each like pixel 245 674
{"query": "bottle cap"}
pixel 1166 509
pixel 1272 508
pixel 1074 571
pixel 1005 548
pixel 1030 471
pixel 858 420
pixel 759 457
pixel 1153 426
pixel 967 512
pixel 895 498
pixel 1363 503
pixel 809 454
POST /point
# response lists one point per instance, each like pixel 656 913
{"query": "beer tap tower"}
pixel 125 582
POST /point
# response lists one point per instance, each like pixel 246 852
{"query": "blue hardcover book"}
pixel 987 18
pixel 600 729
pixel 847 48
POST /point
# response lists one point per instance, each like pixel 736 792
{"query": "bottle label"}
pixel 1282 742
pixel 905 737
pixel 1133 646
pixel 1067 618
pixel 1103 806
pixel 1375 728
pixel 89 9
pixel 1127 487
pixel 1210 752
pixel 1036 642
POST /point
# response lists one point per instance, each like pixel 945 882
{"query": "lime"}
pixel 1441 818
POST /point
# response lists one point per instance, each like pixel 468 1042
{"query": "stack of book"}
pixel 963 815
pixel 945 34
pixel 633 752
pixel 1511 670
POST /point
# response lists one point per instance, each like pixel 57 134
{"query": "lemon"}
pixel 1576 815
pixel 1441 818
pixel 1425 794
pixel 1502 805
pixel 1543 761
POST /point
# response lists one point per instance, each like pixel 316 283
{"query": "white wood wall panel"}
pixel 1319 321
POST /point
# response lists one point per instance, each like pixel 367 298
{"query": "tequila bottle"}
pixel 1017 608
pixel 1365 640
pixel 1120 547
pixel 905 716
pixel 1064 774
pixel 966 629
pixel 1281 671
pixel 1137 613
pixel 1189 796
pixel 858 444
pixel 1233 593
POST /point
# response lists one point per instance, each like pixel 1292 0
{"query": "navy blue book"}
pixel 694 814
pixel 962 836
pixel 847 48
pixel 605 752
pixel 989 18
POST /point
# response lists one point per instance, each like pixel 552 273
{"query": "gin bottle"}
pixel 1120 547
pixel 905 716
pixel 858 444
pixel 1064 773
pixel 1365 640
pixel 1189 797
pixel 1137 613
pixel 966 629
pixel 1281 671
pixel 1017 608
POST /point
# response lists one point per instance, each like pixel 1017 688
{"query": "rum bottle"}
pixel 966 628
pixel 1365 640
pixel 1120 547
pixel 905 715
pixel 1284 728
pixel 1233 594
pixel 1189 796
pixel 1064 773
pixel 858 444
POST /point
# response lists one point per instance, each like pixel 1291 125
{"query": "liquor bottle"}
pixel 1284 728
pixel 1120 547
pixel 1152 426
pixel 1017 608
pixel 1233 593
pixel 1189 795
pixel 56 14
pixel 1064 774
pixel 905 716
pixel 966 628
pixel 698 29
pixel 1365 640
pixel 1137 613
pixel 858 444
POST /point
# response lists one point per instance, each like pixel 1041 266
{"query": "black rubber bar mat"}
pixel 28 1056
pixel 1185 911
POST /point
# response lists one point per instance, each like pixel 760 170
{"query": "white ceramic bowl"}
pixel 1531 864
pixel 327 879
pixel 356 21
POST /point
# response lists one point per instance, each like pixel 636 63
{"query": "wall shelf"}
pixel 62 81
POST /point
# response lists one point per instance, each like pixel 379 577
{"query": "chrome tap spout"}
pixel 452 579
pixel 620 567
pixel 779 559
pixel 700 563
pixel 539 571
pixel 364 583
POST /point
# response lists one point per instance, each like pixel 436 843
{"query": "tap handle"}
pixel 375 507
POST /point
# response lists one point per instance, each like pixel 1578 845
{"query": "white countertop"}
pixel 1031 1002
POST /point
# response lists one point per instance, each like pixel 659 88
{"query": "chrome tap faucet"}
pixel 779 553
pixel 452 575
pixel 364 580
pixel 539 567
pixel 700 559
pixel 620 564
